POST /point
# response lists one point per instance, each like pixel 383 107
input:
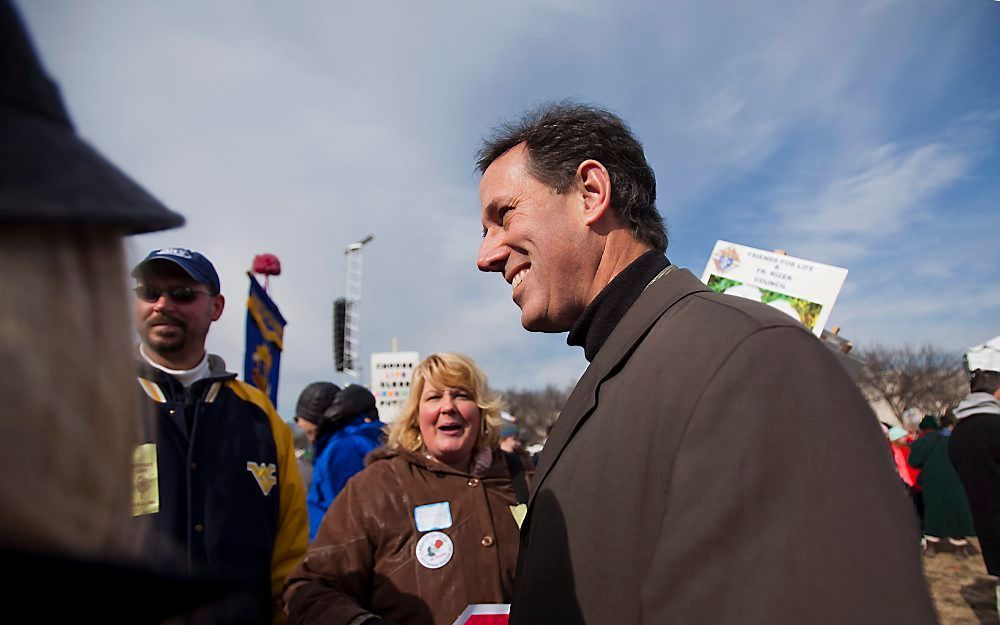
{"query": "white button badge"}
pixel 434 550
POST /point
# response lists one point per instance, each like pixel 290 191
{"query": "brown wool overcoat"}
pixel 715 465
pixel 363 559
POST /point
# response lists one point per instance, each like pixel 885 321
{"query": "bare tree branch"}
pixel 536 410
pixel 925 378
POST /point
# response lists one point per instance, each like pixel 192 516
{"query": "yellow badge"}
pixel 145 481
pixel 264 474
pixel 519 511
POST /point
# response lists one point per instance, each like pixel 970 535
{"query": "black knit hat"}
pixel 351 402
pixel 47 173
pixel 315 400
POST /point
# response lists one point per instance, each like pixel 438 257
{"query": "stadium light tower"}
pixel 347 337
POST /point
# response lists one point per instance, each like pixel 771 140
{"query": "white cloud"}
pixel 876 194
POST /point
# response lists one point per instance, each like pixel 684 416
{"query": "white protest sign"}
pixel 801 288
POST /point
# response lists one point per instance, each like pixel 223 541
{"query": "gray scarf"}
pixel 977 403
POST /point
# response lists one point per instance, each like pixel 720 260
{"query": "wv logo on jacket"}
pixel 264 474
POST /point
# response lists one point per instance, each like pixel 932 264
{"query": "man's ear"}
pixel 218 303
pixel 594 185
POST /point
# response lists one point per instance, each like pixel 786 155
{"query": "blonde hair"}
pixel 67 438
pixel 446 369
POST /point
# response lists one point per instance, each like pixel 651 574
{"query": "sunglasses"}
pixel 180 294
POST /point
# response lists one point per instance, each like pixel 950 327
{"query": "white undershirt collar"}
pixel 186 377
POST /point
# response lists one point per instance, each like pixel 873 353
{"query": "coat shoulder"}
pixel 736 315
pixel 381 472
pixel 712 325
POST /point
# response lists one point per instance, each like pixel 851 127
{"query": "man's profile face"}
pixel 535 238
pixel 170 327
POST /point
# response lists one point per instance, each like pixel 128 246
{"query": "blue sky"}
pixel 860 134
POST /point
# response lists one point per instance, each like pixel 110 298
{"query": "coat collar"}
pixel 496 468
pixel 216 367
pixel 603 314
pixel 651 305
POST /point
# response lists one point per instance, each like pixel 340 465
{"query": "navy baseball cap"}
pixel 194 263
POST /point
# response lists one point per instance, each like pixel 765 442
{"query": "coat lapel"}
pixel 650 306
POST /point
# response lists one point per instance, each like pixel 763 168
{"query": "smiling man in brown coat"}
pixel 679 484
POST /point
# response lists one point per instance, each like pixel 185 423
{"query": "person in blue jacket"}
pixel 348 430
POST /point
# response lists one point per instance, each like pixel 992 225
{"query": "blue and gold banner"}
pixel 265 332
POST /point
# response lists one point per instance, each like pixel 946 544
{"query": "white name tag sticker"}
pixel 433 516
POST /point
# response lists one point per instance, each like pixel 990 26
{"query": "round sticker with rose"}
pixel 434 550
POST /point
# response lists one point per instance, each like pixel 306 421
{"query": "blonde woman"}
pixel 430 526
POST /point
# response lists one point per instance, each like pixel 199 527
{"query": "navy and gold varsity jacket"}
pixel 217 473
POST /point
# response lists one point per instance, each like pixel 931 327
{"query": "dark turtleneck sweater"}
pixel 599 318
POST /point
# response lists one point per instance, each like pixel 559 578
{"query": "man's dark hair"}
pixel 984 381
pixel 560 136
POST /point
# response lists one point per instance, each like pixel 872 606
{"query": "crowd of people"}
pixel 950 468
pixel 406 528
pixel 166 489
pixel 945 474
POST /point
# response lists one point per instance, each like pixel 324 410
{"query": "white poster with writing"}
pixel 801 288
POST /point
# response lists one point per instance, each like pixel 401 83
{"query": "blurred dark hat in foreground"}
pixel 47 173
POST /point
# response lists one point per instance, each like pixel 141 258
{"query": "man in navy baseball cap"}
pixel 228 489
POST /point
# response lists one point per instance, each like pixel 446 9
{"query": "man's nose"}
pixel 162 302
pixel 492 254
